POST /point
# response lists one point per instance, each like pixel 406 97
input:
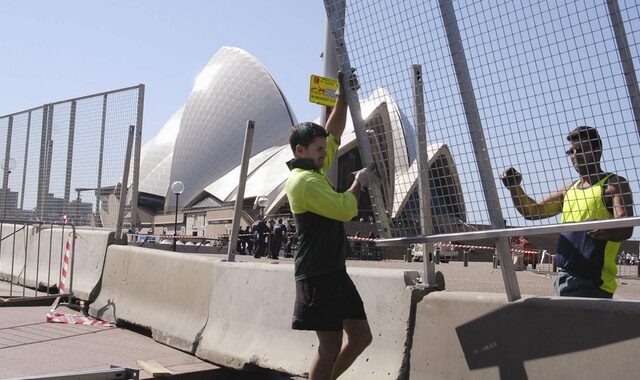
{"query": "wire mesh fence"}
pixel 537 71
pixel 64 161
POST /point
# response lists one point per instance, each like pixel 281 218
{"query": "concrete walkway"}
pixel 29 346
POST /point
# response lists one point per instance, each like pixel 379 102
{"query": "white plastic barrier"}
pixel 168 292
pixel 250 321
pixel 465 335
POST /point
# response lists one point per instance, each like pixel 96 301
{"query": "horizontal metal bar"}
pixel 115 373
pixel 12 233
pixel 69 100
pixel 518 231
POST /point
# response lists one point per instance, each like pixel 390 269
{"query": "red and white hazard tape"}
pixel 185 237
pixel 442 245
pixel 72 319
pixel 480 247
pixel 358 238
pixel 65 267
pixel 54 316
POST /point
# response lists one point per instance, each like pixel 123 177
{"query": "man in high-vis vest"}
pixel 586 259
pixel 327 301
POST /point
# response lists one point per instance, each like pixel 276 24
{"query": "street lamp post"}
pixel 262 202
pixel 177 187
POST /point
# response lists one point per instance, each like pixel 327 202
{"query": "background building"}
pixel 201 145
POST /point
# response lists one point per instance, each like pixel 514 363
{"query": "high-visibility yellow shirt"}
pixel 591 258
pixel 319 212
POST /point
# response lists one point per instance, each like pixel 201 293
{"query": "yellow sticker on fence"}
pixel 323 90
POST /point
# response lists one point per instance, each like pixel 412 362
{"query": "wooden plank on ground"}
pixel 153 368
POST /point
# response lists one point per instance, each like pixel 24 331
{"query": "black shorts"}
pixel 323 302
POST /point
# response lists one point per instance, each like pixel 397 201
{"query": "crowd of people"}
pixel 267 238
pixel 627 258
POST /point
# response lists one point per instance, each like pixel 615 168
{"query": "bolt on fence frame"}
pixel 479 145
pixel 335 16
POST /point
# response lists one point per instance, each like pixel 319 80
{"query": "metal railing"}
pixel 34 259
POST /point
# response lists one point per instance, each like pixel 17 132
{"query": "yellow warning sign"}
pixel 323 90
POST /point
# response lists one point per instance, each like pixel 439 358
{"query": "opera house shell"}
pixel 201 145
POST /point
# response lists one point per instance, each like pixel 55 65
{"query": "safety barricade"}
pixel 474 335
pixel 32 258
pixel 247 327
pixel 166 292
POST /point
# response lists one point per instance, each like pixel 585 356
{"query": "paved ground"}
pixel 30 346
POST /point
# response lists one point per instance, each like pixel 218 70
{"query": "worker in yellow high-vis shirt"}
pixel 586 259
pixel 327 301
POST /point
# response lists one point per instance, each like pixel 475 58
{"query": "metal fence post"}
pixel 50 252
pixel 335 16
pixel 69 168
pixel 71 261
pixel 103 128
pixel 5 169
pixel 136 159
pixel 13 257
pixel 39 229
pixel 479 146
pixel 626 59
pixel 26 256
pixel 426 221
pixel 24 167
pixel 125 180
pixel 242 181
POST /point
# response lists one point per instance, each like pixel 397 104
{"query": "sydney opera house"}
pixel 201 145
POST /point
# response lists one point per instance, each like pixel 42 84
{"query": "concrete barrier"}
pixel 37 251
pixel 464 335
pixel 250 321
pixel 167 292
pixel 90 251
pixel 239 314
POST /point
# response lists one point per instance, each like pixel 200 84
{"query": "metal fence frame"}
pixel 17 276
pixel 497 231
pixel 45 152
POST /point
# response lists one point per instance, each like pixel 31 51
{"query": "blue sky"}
pixel 57 50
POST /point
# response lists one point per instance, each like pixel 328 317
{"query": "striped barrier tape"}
pixel 185 237
pixel 452 245
pixel 65 268
pixel 54 316
pixel 72 319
